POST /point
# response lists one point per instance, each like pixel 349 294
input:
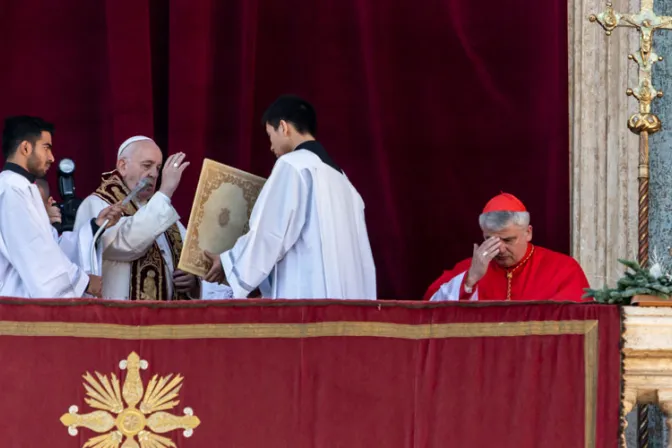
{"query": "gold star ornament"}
pixel 137 423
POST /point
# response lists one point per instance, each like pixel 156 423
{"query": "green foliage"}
pixel 636 280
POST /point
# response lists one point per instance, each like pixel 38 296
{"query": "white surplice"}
pixel 77 247
pixel 307 238
pixel 450 291
pixel 131 238
pixel 32 265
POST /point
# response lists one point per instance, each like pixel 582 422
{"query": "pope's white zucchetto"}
pixel 128 142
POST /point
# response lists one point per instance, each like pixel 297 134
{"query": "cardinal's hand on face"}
pixel 481 259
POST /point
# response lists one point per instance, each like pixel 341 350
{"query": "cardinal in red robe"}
pixel 507 266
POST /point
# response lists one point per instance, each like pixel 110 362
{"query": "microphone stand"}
pixel 127 200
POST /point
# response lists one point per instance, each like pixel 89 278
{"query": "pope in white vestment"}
pixel 307 237
pixel 140 253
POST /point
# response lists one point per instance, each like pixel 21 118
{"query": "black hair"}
pixel 294 110
pixel 22 128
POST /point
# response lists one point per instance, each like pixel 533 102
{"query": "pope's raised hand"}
pixel 481 258
pixel 172 173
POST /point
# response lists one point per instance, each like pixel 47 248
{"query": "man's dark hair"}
pixel 22 128
pixel 294 110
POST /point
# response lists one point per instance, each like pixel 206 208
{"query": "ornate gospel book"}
pixel 219 215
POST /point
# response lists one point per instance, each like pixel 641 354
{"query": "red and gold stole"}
pixel 148 273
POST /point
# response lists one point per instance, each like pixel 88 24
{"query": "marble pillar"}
pixel 604 153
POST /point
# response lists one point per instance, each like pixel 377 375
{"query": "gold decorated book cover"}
pixel 220 213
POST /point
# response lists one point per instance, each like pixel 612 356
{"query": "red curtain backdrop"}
pixel 315 374
pixel 430 107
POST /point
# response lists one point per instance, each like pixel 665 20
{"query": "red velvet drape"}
pixel 431 107
pixel 316 374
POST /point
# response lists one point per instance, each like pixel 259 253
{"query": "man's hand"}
pixel 53 211
pixel 172 173
pixel 216 272
pixel 483 254
pixel 186 283
pixel 95 286
pixel 113 213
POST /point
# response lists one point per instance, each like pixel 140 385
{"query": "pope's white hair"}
pixel 127 148
pixel 496 221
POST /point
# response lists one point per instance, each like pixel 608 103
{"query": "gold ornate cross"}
pixel 131 413
pixel 643 123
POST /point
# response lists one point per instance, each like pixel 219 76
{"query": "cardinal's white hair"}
pixel 496 221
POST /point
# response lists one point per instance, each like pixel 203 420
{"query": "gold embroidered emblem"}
pixel 135 426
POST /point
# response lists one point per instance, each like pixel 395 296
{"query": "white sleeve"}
pixel 43 267
pixel 450 291
pixel 275 225
pixel 368 265
pixel 77 246
pixel 132 236
pixel 214 291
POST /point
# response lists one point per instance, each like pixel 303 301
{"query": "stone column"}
pixel 603 151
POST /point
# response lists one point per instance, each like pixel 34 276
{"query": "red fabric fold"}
pixel 429 107
pixel 327 373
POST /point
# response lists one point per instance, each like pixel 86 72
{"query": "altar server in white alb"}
pixel 32 265
pixel 307 235
pixel 141 252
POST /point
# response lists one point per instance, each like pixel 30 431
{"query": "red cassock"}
pixel 542 275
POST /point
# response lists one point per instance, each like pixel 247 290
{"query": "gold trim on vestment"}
pixel 587 328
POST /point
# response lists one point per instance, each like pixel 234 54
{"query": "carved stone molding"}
pixel 647 354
